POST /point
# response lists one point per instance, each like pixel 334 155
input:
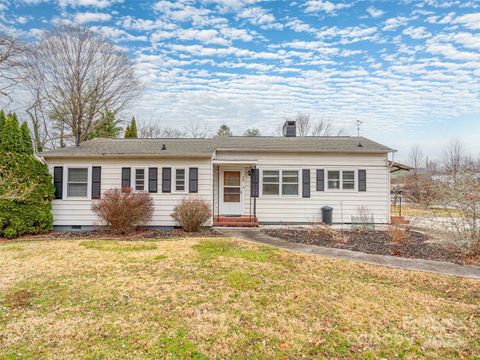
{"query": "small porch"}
pixel 233 204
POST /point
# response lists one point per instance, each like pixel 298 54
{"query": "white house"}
pixel 277 180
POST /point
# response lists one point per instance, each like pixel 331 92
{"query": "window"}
pixel 348 180
pixel 140 179
pixel 180 178
pixel 334 179
pixel 77 182
pixel 286 181
pixel 289 182
pixel 271 182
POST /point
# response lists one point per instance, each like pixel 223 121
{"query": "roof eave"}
pixel 110 155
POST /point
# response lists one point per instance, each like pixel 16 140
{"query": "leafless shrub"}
pixel 192 213
pixel 397 235
pixel 364 219
pixel 123 210
pixel 461 199
pixel 421 189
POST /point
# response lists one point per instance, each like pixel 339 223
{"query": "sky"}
pixel 410 70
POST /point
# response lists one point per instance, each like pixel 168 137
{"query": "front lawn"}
pixel 201 298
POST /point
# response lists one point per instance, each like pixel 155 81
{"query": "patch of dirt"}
pixel 137 235
pixel 414 245
pixel 19 299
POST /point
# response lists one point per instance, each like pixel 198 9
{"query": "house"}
pixel 277 180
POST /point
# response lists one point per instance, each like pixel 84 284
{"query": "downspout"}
pixel 390 166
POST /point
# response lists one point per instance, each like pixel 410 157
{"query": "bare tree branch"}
pixel 11 51
pixel 76 75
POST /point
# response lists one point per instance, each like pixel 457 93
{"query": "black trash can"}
pixel 327 215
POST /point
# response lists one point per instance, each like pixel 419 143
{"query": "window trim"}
pixel 280 183
pixel 174 180
pixel 89 182
pixel 133 178
pixel 341 189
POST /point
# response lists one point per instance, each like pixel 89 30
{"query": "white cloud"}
pixel 325 6
pixel 395 22
pixel 117 34
pixel 256 15
pixel 101 4
pixel 470 21
pixel 299 26
pixel 417 32
pixel 374 13
pixel 86 17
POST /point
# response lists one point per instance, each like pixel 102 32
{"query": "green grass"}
pixel 224 298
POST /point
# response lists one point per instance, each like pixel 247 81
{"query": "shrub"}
pixel 124 210
pixel 26 192
pixel 397 235
pixel 191 213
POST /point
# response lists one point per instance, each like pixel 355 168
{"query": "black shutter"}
pixel 362 180
pixel 126 175
pixel 152 180
pixel 166 180
pixel 96 182
pixel 254 183
pixel 193 180
pixel 306 183
pixel 58 181
pixel 320 180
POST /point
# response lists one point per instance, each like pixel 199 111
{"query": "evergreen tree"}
pixel 107 126
pixel 11 136
pixel 224 130
pixel 131 132
pixel 26 138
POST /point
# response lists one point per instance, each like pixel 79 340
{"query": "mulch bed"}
pixel 140 234
pixel 416 245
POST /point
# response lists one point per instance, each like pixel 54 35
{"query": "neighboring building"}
pixel 281 180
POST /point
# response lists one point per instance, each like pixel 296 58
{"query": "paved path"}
pixel 438 267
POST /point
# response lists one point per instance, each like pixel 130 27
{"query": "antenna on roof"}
pixel 359 125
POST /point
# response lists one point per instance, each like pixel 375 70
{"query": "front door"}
pixel 231 192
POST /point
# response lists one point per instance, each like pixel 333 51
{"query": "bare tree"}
pixel 416 157
pixel 307 127
pixel 454 157
pixel 76 75
pixel 198 132
pixel 11 51
pixel 303 123
pixel 253 132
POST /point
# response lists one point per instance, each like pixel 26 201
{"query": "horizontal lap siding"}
pixel 78 212
pixel 345 204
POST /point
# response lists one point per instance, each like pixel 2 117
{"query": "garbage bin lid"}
pixel 327 208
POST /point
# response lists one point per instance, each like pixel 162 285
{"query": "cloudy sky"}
pixel 410 70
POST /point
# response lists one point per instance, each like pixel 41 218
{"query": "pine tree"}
pixel 224 130
pixel 26 138
pixel 131 132
pixel 11 139
pixel 106 126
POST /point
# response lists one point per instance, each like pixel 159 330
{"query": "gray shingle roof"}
pixel 205 147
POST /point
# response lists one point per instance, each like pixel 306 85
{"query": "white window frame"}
pixel 174 180
pixel 89 182
pixel 134 178
pixel 341 189
pixel 355 181
pixel 280 183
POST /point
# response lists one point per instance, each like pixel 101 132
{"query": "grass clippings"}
pixel 224 298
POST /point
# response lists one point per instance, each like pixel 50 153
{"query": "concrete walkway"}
pixel 439 267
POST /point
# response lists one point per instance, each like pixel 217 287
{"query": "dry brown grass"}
pixel 200 298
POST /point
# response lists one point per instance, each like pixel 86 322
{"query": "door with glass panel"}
pixel 231 193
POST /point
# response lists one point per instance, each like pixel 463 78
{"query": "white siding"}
pixel 78 211
pixel 302 210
